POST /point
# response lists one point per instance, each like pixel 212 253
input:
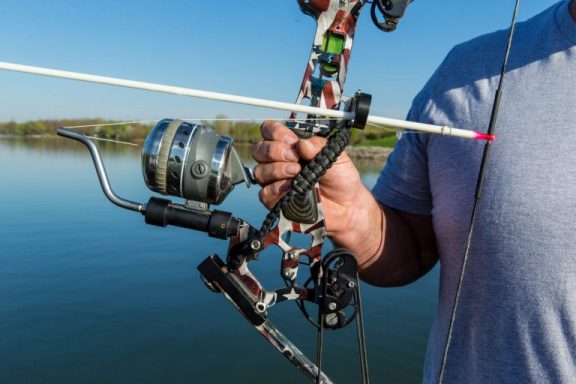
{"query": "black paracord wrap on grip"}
pixel 309 176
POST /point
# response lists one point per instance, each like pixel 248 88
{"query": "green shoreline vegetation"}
pixel 241 131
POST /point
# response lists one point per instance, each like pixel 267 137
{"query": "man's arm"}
pixel 393 247
pixel 407 252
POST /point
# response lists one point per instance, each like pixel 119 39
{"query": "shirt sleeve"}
pixel 404 183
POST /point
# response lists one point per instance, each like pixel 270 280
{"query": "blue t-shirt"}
pixel 516 322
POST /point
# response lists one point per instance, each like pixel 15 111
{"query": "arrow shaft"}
pixel 264 103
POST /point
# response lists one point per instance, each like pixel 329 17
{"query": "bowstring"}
pixel 479 183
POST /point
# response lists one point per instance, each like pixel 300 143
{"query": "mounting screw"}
pixel 255 245
pixel 260 307
pixel 288 273
pixel 332 306
pixel 199 169
pixel 351 284
pixel 293 255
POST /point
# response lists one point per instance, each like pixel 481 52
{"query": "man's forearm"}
pixel 392 247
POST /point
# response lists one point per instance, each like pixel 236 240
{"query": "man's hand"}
pixel 278 155
pixel 392 247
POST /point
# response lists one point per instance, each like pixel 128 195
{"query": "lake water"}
pixel 91 294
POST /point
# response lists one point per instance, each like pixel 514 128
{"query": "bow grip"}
pixel 302 207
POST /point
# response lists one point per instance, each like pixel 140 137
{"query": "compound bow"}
pixel 190 161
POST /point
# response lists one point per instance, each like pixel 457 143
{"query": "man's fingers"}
pixel 308 148
pixel 271 151
pixel 270 194
pixel 271 172
pixel 281 144
pixel 276 131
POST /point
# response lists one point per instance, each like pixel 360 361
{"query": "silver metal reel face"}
pixel 191 161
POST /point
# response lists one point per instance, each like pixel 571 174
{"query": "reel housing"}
pixel 191 161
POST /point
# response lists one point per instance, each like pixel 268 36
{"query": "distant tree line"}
pixel 240 131
pixel 106 129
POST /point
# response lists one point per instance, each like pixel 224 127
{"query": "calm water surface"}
pixel 90 294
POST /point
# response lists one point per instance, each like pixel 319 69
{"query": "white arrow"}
pixel 383 121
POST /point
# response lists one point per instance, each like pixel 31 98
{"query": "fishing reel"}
pixel 186 160
pixel 191 161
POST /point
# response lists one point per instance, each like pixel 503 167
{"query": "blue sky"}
pixel 249 47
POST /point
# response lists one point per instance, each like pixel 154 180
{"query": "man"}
pixel 516 321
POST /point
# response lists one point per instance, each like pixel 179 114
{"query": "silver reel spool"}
pixel 191 161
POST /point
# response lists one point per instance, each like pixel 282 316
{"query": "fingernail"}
pixel 291 169
pixel 290 155
pixel 289 139
pixel 286 187
pixel 308 145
